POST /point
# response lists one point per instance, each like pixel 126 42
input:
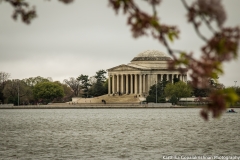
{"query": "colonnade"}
pixel 137 83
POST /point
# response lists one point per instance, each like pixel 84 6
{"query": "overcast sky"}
pixel 86 36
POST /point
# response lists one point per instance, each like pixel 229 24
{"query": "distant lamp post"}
pixel 235 83
pixel 156 91
pixel 186 84
pixel 18 93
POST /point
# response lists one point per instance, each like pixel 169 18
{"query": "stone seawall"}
pixel 81 106
pixel 97 106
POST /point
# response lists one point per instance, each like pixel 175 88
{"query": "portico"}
pixel 145 70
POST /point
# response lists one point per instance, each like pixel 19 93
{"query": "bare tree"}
pixel 17 91
pixel 74 84
pixel 32 81
pixel 3 79
pixel 92 80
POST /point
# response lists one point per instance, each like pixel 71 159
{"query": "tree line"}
pixel 35 90
pixel 173 92
pixel 38 89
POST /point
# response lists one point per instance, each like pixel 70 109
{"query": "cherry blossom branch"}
pixel 195 24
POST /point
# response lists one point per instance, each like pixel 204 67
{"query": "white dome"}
pixel 151 53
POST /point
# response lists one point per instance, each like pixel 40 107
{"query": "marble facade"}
pixel 141 73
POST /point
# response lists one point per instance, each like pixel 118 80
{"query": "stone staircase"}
pixel 111 99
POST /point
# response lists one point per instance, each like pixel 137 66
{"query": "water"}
pixel 115 134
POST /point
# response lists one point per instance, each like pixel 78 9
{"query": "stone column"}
pixel 113 83
pixel 144 84
pixel 122 83
pixel 117 82
pixel 148 81
pixel 127 84
pixel 109 84
pixel 131 84
pixel 140 84
pixel 135 92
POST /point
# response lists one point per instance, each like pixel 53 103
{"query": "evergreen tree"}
pixel 161 98
pixel 175 80
pixel 101 86
pixel 85 84
pixel 173 99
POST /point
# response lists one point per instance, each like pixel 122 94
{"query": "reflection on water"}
pixel 115 134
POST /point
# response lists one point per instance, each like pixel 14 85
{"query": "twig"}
pixel 208 24
pixel 195 23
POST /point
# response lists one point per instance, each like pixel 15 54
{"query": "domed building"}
pixel 141 73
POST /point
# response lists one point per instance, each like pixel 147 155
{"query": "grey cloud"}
pixel 83 37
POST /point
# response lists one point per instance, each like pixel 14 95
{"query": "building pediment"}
pixel 124 67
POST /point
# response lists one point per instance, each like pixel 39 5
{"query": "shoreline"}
pixel 97 106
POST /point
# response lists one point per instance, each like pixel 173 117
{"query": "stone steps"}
pixel 110 99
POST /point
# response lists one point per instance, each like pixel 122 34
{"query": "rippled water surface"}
pixel 115 133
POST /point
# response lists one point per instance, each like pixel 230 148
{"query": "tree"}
pixel 105 85
pixel 97 89
pixel 15 90
pixel 205 92
pixel 32 81
pixel 175 80
pixel 173 99
pixel 237 90
pixel 160 92
pixel 3 79
pixel 179 90
pixel 100 76
pixel 68 93
pixel 46 91
pixel 100 87
pixel 85 84
pixel 152 93
pixel 92 80
pixel 74 84
pixel 221 47
pixel 198 92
